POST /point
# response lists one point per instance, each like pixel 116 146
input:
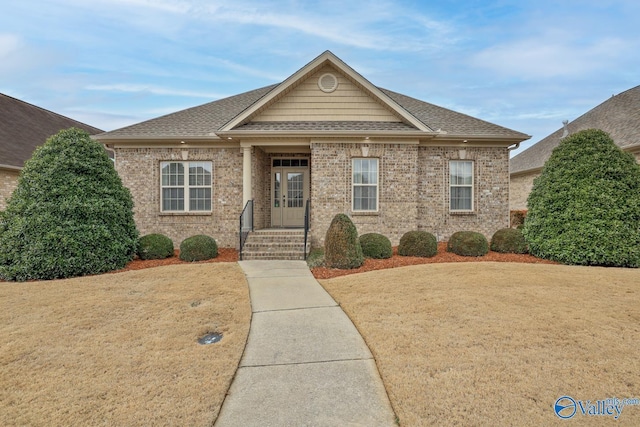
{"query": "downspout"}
pixel 511 147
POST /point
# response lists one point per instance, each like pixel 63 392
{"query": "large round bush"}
pixel 155 246
pixel 376 246
pixel 468 243
pixel 418 243
pixel 509 240
pixel 198 248
pixel 584 208
pixel 69 216
pixel 341 246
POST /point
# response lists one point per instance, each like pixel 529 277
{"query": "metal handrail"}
pixel 246 224
pixel 307 220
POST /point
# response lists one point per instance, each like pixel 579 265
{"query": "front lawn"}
pixel 498 343
pixel 121 349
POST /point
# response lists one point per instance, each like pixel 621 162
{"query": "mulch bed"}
pixel 231 255
pixel 224 255
pixel 442 256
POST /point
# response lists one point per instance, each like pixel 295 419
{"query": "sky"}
pixel 526 65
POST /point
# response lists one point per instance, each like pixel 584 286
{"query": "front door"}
pixel 289 192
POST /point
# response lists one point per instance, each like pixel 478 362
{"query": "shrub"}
pixel 509 240
pixel 376 246
pixel 584 207
pixel 69 215
pixel 198 248
pixel 468 243
pixel 418 243
pixel 316 258
pixel 341 246
pixel 155 246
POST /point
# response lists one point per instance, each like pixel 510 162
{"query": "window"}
pixel 186 186
pixel 365 184
pixel 461 185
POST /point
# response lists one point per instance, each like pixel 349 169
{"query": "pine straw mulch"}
pixel 441 257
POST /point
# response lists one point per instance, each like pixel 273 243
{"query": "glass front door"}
pixel 289 192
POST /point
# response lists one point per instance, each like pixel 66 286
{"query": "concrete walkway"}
pixel 305 364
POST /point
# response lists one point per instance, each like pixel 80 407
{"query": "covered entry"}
pixel 289 191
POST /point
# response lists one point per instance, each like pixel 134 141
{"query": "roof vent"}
pixel 328 82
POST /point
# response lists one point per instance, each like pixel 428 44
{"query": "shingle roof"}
pixel 204 120
pixel 451 121
pixel 196 122
pixel 619 116
pixel 23 127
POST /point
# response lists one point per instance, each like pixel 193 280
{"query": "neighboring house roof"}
pixel 619 116
pixel 24 126
pixel 234 115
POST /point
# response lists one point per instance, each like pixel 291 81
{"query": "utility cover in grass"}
pixel 584 208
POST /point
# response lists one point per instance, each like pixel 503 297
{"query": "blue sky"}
pixel 526 65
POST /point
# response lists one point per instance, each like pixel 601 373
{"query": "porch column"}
pixel 246 175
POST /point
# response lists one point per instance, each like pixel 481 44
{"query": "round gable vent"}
pixel 328 82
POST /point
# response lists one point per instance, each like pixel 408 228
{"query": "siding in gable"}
pixel 307 102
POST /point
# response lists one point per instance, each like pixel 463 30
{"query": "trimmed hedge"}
pixel 584 207
pixel 468 243
pixel 198 248
pixel 418 243
pixel 155 246
pixel 509 240
pixel 376 246
pixel 341 246
pixel 69 215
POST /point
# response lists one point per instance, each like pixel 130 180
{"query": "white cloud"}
pixel 553 55
pixel 155 90
pixel 9 43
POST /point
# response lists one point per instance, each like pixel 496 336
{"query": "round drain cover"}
pixel 210 338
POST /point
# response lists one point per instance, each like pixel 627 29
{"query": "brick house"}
pixel 23 127
pixel 325 134
pixel 619 116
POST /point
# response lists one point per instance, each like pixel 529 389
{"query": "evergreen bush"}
pixel 468 243
pixel 341 246
pixel 376 246
pixel 69 215
pixel 198 248
pixel 418 243
pixel 509 240
pixel 155 246
pixel 584 207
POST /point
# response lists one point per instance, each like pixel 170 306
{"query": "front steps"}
pixel 275 244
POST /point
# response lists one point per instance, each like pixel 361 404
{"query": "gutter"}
pixel 10 167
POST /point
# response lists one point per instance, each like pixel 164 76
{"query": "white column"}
pixel 246 175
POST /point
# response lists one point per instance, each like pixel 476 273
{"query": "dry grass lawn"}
pixel 498 343
pixel 121 349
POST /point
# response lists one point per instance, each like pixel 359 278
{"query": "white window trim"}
pixel 186 187
pixel 377 185
pixel 472 185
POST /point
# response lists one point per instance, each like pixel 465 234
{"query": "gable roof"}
pixel 234 115
pixel 619 116
pixel 24 126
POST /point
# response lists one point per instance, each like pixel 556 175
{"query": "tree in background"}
pixel 69 216
pixel 584 208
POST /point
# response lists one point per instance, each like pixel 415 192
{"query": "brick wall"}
pixel 8 183
pixel 413 190
pixel 139 169
pixel 520 187
pixel 491 191
pixel 331 188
